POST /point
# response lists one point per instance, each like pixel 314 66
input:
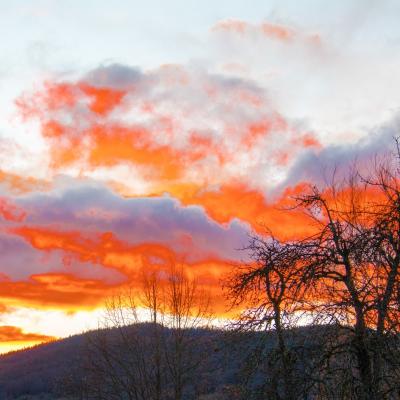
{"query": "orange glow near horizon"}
pixel 13 338
pixel 72 293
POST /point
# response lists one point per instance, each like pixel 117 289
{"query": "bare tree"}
pixel 352 264
pixel 188 308
pixel 268 286
pixel 145 347
pixel 384 253
pixel 345 278
pixel 334 267
pixel 122 356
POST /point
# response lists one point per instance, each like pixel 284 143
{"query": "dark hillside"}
pixel 41 372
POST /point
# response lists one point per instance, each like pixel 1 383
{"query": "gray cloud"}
pixel 117 76
pixel 314 166
pixel 94 209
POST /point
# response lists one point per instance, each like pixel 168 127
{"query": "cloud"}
pixel 10 211
pixel 16 334
pixel 81 242
pixel 337 84
pixel 13 183
pixel 52 290
pixel 71 293
pixel 236 200
pixel 14 338
pixel 92 208
pixel 114 76
pixel 317 166
pixel 265 29
pixel 171 124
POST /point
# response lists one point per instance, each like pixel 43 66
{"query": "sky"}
pixel 136 134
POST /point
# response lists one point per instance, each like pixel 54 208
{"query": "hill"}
pixel 47 371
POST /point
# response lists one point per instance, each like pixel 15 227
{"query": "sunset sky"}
pixel 134 134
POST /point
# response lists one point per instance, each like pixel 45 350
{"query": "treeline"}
pixel 62 369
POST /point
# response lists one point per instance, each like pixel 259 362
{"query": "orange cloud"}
pixel 237 200
pixel 15 334
pixel 69 293
pixel 50 290
pixel 21 184
pixel 10 211
pixel 102 100
pixel 104 249
pixel 114 144
pixel 169 136
pixel 309 141
pixel 109 145
pixel 277 31
pixel 259 129
pixel 56 96
pixel 60 290
pixel 170 154
pixel 269 30
pixel 13 338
